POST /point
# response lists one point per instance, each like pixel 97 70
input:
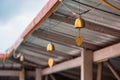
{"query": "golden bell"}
pixel 50 62
pixel 50 47
pixel 79 40
pixel 21 58
pixel 79 23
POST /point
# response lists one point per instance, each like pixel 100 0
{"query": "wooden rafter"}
pixel 107 53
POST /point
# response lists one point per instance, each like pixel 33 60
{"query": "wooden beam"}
pixel 99 71
pixel 38 74
pixel 64 40
pixel 89 25
pixel 63 66
pixel 110 66
pixel 86 65
pixel 107 53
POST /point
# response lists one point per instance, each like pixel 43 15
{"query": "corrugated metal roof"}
pixel 35 45
pixel 62 34
pixel 90 36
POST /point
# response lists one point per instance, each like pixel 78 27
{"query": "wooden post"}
pixel 87 65
pixel 22 74
pixel 38 74
pixel 46 77
pixel 99 71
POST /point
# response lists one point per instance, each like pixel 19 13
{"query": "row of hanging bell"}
pixel 79 24
pixel 50 48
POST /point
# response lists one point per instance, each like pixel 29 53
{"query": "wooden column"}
pixel 87 65
pixel 22 74
pixel 38 74
pixel 99 71
pixel 46 77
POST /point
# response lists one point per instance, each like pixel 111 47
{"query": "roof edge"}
pixel 45 12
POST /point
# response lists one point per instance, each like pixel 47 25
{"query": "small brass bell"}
pixel 50 62
pixel 79 40
pixel 50 47
pixel 79 23
pixel 22 58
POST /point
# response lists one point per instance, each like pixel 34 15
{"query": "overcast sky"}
pixel 15 15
